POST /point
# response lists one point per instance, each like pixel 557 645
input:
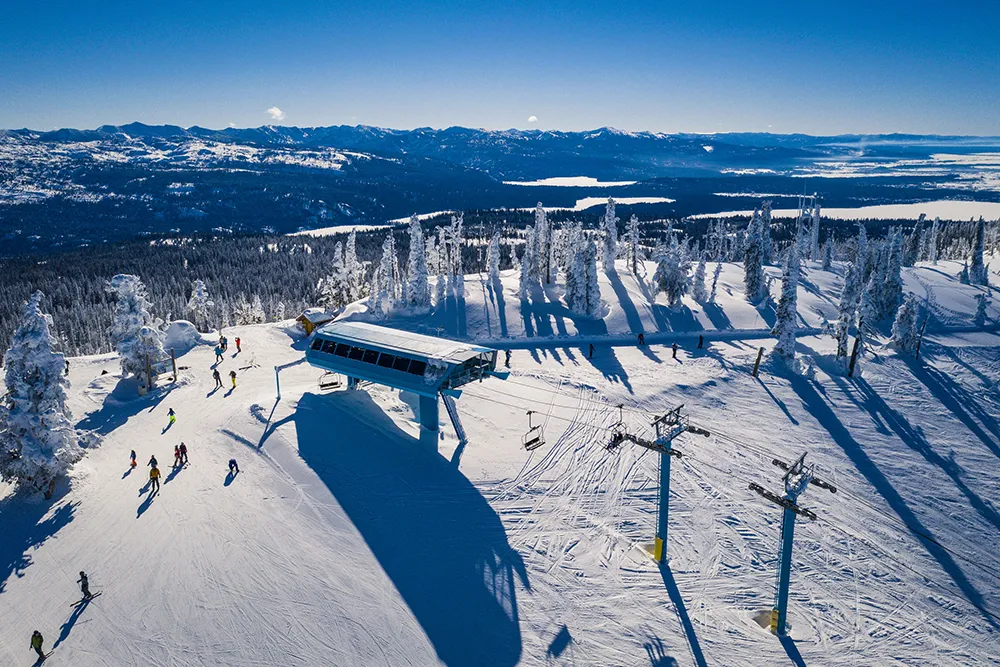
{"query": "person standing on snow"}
pixel 506 358
pixel 217 377
pixel 184 453
pixel 132 458
pixel 152 461
pixel 674 347
pixel 232 376
pixel 84 585
pixel 154 479
pixel 172 415
pixel 238 350
pixel 218 354
pixel 36 643
pixel 177 456
pixel 233 468
pixel 590 354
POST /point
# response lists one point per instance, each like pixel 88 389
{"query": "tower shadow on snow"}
pixel 436 537
pixel 24 529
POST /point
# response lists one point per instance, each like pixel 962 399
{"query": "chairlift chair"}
pixel 618 430
pixel 535 437
pixel 330 381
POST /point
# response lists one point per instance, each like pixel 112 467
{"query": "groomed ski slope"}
pixel 344 542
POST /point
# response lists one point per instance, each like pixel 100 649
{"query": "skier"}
pixel 701 342
pixel 154 479
pixel 232 376
pixel 506 358
pixel 172 416
pixel 674 347
pixel 36 643
pixel 84 585
pixel 225 343
pixel 184 453
pixel 238 350
pixel 642 339
pixel 218 354
pixel 233 467
pixel 67 367
pixel 132 458
pixel 152 461
pixel 590 354
pixel 218 378
pixel 177 456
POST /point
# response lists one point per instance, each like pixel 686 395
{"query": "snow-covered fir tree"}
pixel 493 261
pixel 982 301
pixel 892 293
pixel 37 440
pixel 978 274
pixel 634 251
pixel 911 246
pixel 932 243
pixel 544 268
pixel 257 314
pixel 441 270
pixel 419 292
pixel 814 233
pixel 753 260
pixel 354 271
pixel 199 304
pixel 385 282
pixel 528 277
pixel 609 226
pixel 715 281
pixel 279 311
pixel 786 320
pixel 765 222
pixel 242 311
pixel 456 241
pixel 671 275
pixel 963 275
pixel 847 313
pixel 335 290
pixel 862 259
pixel 698 290
pixel 591 289
pixel 135 334
pixel 377 297
pixel 904 327
pixel 868 313
pixel 583 295
pixel 828 254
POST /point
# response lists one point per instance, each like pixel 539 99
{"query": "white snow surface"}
pixel 572 182
pixel 945 209
pixel 344 541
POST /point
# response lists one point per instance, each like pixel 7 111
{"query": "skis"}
pixel 42 659
pixel 80 602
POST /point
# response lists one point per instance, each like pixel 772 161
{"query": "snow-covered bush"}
pixel 982 301
pixel 135 334
pixel 37 438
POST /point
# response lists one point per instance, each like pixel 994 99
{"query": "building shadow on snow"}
pixel 436 537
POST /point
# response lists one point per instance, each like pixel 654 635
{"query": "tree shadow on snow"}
pixel 768 312
pixel 679 319
pixel 433 533
pixel 824 415
pixel 720 321
pixel 24 530
pixel 122 403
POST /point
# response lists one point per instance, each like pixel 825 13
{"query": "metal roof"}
pixel 373 336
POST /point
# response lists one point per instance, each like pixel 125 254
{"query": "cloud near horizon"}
pixel 532 119
pixel 276 113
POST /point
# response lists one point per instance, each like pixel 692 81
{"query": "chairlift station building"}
pixel 424 365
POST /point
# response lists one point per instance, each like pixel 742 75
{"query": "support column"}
pixel 779 616
pixel 429 420
pixel 660 544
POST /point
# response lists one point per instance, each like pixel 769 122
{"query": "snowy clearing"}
pixel 572 182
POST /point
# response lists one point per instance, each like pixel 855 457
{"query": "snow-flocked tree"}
pixel 671 275
pixel 978 274
pixel 634 251
pixel 199 304
pixel 904 327
pixel 786 321
pixel 544 267
pixel 862 259
pixel 932 243
pixel 893 286
pixel 257 314
pixel 418 291
pixel 528 277
pixel 765 222
pixel 911 247
pixel 828 254
pixel 850 295
pixel 982 301
pixel 698 290
pixel 814 233
pixel 609 225
pixel 493 262
pixel 354 271
pixel 336 290
pixel 37 439
pixel 753 261
pixel 456 241
pixel 279 311
pixel 135 334
pixel 583 295
pixel 385 286
pixel 715 281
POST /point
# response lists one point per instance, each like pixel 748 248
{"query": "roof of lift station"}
pixel 374 336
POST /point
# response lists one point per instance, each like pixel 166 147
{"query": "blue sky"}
pixel 816 67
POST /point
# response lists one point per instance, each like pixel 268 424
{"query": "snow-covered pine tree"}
pixel 698 290
pixel 982 301
pixel 456 238
pixel 242 311
pixel 977 269
pixel 828 254
pixel 441 270
pixel 848 309
pixel 868 314
pixel 387 281
pixel 135 334
pixel 814 233
pixel 633 245
pixel 279 311
pixel 609 225
pixel 592 291
pixel 543 246
pixel 715 281
pixel 37 439
pixel 354 271
pixel 893 285
pixel 963 275
pixel 334 291
pixel 753 261
pixel 786 320
pixel 419 291
pixel 862 259
pixel 377 296
pixel 493 262
pixel 576 277
pixel 765 223
pixel 932 243
pixel 904 327
pixel 257 314
pixel 911 247
pixel 528 277
pixel 199 304
pixel 671 275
